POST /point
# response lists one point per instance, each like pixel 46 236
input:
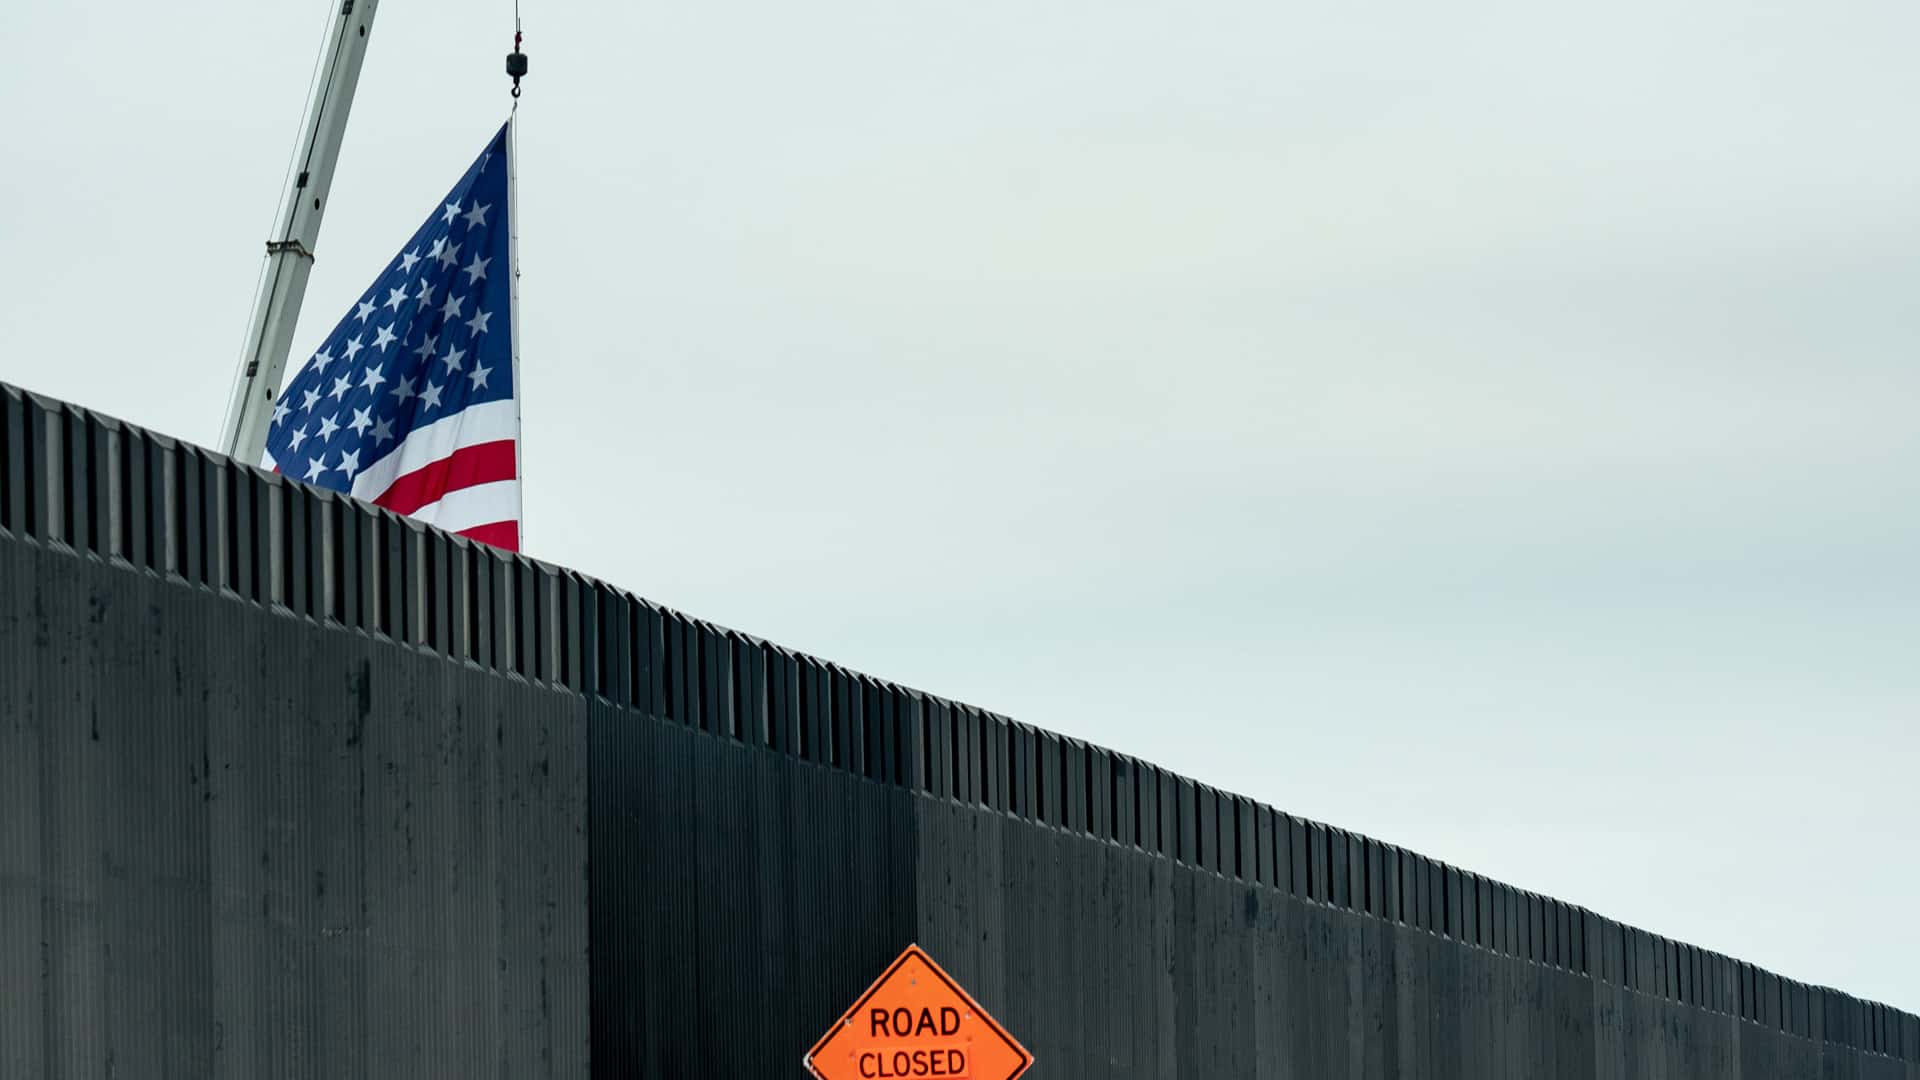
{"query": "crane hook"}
pixel 516 63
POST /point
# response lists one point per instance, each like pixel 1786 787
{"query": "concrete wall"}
pixel 291 787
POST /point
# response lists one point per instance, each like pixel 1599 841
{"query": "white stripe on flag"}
pixel 428 443
pixel 481 504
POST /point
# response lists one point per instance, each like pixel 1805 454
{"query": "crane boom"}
pixel 283 284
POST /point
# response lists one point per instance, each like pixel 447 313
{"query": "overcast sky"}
pixel 1491 428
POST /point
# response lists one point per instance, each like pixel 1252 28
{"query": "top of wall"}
pixel 72 479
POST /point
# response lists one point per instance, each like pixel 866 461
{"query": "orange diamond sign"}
pixel 913 1023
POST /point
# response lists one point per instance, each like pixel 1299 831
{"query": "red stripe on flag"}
pixel 500 534
pixel 483 463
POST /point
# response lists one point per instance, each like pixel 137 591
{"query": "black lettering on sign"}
pixel 905 1024
pixel 910 1064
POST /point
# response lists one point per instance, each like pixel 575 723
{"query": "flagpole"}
pixel 283 285
pixel 513 304
pixel 516 70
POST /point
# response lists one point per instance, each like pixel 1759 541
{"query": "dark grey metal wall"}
pixel 740 900
pixel 1111 961
pixel 234 844
pixel 766 829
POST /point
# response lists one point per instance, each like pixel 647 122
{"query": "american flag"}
pixel 410 402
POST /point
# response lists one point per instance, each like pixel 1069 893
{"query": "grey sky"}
pixel 1493 429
